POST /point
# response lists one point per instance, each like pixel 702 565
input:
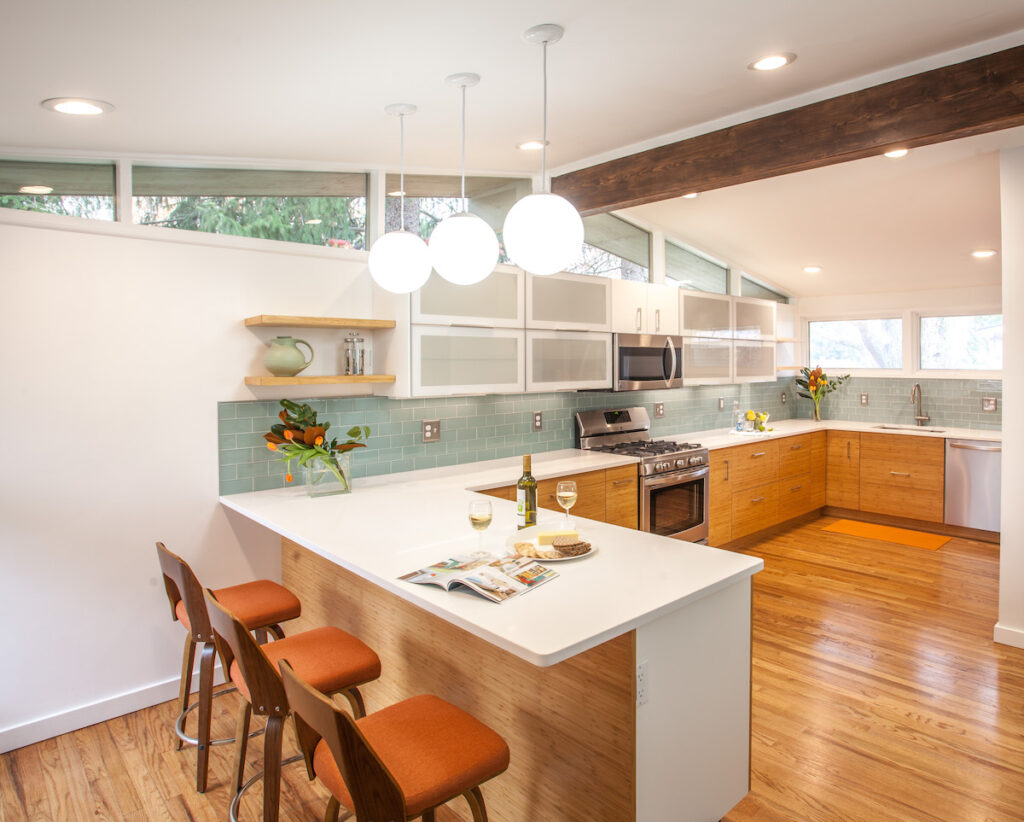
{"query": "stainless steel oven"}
pixel 647 361
pixel 675 504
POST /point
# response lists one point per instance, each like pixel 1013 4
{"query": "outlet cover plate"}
pixel 989 404
pixel 659 409
pixel 431 430
pixel 783 397
pixel 538 420
pixel 863 399
pixel 721 403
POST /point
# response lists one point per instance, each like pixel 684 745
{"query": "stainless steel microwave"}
pixel 641 362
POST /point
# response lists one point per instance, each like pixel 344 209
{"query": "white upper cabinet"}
pixel 459 360
pixel 753 319
pixel 707 361
pixel 568 360
pixel 569 302
pixel 644 308
pixel 753 361
pixel 496 302
pixel 705 315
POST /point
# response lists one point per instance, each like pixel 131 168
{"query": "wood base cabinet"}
pixel 902 475
pixel 622 496
pixel 755 509
pixel 720 496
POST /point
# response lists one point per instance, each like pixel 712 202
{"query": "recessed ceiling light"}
pixel 396 194
pixel 532 145
pixel 772 62
pixel 812 269
pixel 315 221
pixel 983 253
pixel 77 105
pixel 691 196
pixel 897 152
pixel 35 189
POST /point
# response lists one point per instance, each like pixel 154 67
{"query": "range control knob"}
pixel 696 460
pixel 661 466
pixel 682 463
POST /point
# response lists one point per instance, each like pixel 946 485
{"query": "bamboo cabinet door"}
pixel 622 496
pixel 819 466
pixel 903 475
pixel 843 483
pixel 720 493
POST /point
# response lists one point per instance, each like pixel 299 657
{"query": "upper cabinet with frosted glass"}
pixel 753 318
pixel 705 315
pixel 496 302
pixel 569 302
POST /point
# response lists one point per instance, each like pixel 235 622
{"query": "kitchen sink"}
pixel 911 428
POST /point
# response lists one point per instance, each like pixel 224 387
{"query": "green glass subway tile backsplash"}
pixel 495 426
pixel 472 428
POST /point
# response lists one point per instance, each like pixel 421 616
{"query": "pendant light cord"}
pixel 465 205
pixel 401 176
pixel 544 138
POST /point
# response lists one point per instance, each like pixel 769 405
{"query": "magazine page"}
pixel 497 578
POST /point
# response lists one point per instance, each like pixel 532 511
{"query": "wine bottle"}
pixel 526 497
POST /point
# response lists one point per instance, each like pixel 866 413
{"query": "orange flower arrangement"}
pixel 298 436
pixel 816 385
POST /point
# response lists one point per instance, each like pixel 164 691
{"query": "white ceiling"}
pixel 875 225
pixel 308 82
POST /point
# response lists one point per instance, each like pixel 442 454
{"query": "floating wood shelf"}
pixel 787 340
pixel 337 379
pixel 286 321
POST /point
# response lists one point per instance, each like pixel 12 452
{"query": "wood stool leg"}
pixel 355 700
pixel 272 768
pixel 261 636
pixel 476 804
pixel 206 661
pixel 187 661
pixel 333 806
pixel 241 741
pixel 428 815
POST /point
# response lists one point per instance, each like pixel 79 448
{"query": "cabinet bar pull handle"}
pixel 975 447
pixel 796 447
pixel 623 482
pixel 759 454
pixel 759 499
pixel 900 473
pixel 726 470
pixel 796 487
pixel 657 319
pixel 638 312
pixel 848 449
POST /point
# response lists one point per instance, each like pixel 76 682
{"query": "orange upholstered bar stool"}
pixel 333 660
pixel 261 605
pixel 396 764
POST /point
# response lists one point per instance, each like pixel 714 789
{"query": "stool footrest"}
pixel 233 810
pixel 179 723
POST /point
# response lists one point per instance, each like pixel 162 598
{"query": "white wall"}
pixel 1010 628
pixel 119 347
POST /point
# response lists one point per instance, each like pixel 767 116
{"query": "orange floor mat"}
pixel 886 533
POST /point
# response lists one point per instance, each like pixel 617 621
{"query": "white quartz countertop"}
pixel 723 438
pixel 397 523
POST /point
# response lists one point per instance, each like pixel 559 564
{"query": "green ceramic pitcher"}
pixel 283 358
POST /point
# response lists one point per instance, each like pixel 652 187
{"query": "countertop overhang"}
pixel 396 523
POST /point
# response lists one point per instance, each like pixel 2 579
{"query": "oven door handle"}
pixel 670 372
pixel 675 479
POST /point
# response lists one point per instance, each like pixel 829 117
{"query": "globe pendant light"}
pixel 543 233
pixel 399 260
pixel 463 248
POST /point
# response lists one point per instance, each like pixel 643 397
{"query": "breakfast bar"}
pixel 622 686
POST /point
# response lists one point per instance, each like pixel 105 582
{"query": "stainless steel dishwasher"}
pixel 973 469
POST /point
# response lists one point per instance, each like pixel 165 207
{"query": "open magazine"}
pixel 497 578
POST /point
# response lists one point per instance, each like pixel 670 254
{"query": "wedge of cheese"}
pixel 546 537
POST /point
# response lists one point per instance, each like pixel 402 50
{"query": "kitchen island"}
pixel 554 671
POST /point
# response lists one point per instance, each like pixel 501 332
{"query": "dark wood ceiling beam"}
pixel 973 97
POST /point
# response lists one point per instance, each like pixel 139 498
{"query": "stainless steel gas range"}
pixel 673 475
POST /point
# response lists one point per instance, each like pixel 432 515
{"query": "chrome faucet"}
pixel 915 396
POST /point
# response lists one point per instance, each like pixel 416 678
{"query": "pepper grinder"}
pixel 351 359
pixel 360 356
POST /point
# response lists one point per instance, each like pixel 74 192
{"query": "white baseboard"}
pixel 36 730
pixel 1009 636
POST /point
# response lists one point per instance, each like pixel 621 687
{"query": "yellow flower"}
pixel 751 415
pixel 762 417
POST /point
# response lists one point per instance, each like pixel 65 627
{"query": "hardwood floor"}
pixel 878 695
pixel 878 691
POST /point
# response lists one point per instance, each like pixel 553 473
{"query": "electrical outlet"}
pixel 642 683
pixel 431 430
pixel 538 420
pixel 863 399
pixel 989 404
pixel 783 397
pixel 721 403
pixel 659 409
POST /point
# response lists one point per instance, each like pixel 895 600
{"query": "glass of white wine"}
pixel 480 517
pixel 566 494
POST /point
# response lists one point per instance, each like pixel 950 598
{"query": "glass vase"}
pixel 332 476
pixel 817 412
